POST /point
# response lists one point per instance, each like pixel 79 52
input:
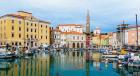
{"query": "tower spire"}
pixel 88 22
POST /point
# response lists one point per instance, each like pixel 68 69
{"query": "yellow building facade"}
pixel 23 29
pixel 96 40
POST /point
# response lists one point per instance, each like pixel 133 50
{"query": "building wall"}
pixel 44 33
pixel 100 40
pixel 57 38
pixel 105 41
pixel 31 33
pixel 131 36
pixel 71 27
pixel 51 36
pixel 113 41
pixel 72 36
pixel 23 31
pixel 95 40
pixel 8 28
pixel 76 41
pixel 88 41
pixel 126 38
pixel 73 40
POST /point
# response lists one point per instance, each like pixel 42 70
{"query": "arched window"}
pixel 78 46
pixel 73 45
pixel 82 45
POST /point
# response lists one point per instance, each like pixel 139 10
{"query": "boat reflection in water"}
pixel 65 65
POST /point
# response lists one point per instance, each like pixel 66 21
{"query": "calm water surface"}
pixel 63 65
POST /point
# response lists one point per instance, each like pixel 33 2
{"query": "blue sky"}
pixel 106 14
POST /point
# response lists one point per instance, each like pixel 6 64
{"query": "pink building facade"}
pixel 131 36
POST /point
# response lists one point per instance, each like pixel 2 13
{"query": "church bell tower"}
pixel 88 23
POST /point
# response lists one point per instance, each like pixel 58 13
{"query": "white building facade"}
pixel 113 41
pixel 71 36
pixel 73 39
pixel 57 38
pixel 97 31
pixel 71 27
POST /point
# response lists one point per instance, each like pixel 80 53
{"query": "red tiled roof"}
pixel 70 25
pixel 19 16
pixel 104 36
pixel 15 15
pixel 44 21
pixel 72 32
pixel 57 30
pixel 25 12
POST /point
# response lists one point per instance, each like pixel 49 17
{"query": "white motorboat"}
pixel 133 56
pixel 6 54
pixel 121 56
pixel 28 53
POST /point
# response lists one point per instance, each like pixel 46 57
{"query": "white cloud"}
pixel 103 12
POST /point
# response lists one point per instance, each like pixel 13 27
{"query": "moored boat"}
pixel 5 55
pixel 28 53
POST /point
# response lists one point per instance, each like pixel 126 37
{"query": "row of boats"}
pixel 5 54
pixel 8 56
pixel 130 58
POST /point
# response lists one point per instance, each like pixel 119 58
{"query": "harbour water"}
pixel 63 65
